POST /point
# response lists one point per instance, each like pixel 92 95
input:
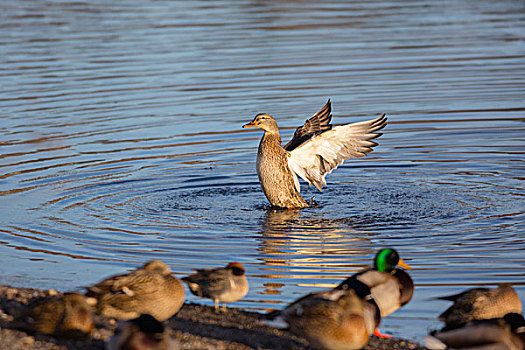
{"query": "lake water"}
pixel 121 141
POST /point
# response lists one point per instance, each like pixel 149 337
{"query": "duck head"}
pixel 157 266
pixel 236 268
pixel 387 259
pixel 263 121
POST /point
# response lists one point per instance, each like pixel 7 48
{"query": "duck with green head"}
pixel 391 287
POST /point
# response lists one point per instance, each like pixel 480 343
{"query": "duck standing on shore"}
pixel 315 150
pixel 390 287
pixel 151 289
pixel 223 284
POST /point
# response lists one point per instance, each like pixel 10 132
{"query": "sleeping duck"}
pixel 479 304
pixel 150 289
pixel 332 319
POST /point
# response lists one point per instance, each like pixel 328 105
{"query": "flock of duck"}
pixel 344 317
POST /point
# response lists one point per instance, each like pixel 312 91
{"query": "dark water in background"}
pixel 121 141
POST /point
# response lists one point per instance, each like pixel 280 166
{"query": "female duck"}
pixel 314 151
pixel 333 319
pixel 68 315
pixel 150 289
pixel 506 333
pixel 479 304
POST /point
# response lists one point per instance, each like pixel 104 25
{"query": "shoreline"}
pixel 195 326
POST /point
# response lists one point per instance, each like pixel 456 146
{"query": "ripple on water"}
pixel 120 141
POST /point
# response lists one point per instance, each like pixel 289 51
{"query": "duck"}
pixel 331 319
pixel 505 333
pixel 390 287
pixel 68 315
pixel 142 333
pixel 150 289
pixel 480 303
pixel 222 285
pixel 315 150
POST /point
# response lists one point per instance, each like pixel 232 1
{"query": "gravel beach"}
pixel 194 326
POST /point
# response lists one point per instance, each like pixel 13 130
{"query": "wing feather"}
pixel 324 152
pixel 318 123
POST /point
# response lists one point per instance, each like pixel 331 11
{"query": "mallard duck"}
pixel 480 303
pixel 142 333
pixel 150 289
pixel 68 315
pixel 315 150
pixel 507 333
pixel 332 319
pixel 223 284
pixel 391 287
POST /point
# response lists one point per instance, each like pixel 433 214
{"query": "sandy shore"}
pixel 195 327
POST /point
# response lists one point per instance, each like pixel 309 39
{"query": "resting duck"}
pixel 68 315
pixel 223 284
pixel 480 303
pixel 391 287
pixel 497 333
pixel 315 150
pixel 142 333
pixel 150 289
pixel 333 319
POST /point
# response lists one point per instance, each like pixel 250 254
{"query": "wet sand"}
pixel 194 326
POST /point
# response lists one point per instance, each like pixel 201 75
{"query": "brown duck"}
pixel 332 319
pixel 150 289
pixel 67 315
pixel 315 150
pixel 479 304
pixel 505 333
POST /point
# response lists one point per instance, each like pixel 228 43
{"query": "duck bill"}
pixel 250 125
pixel 404 264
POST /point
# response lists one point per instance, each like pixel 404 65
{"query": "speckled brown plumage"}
pixel 315 151
pixel 150 289
pixel 506 333
pixel 276 178
pixel 67 315
pixel 333 319
pixel 480 303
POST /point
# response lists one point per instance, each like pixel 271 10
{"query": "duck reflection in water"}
pixel 314 250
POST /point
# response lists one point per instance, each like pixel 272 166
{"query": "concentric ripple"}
pixel 121 142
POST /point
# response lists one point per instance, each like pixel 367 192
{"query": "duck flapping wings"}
pixel 316 148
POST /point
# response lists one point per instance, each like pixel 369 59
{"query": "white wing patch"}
pixel 324 152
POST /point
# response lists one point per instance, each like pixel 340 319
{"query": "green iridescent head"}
pixel 387 259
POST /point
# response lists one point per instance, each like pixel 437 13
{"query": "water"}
pixel 121 141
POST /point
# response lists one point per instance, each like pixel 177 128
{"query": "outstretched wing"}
pixel 317 157
pixel 318 123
